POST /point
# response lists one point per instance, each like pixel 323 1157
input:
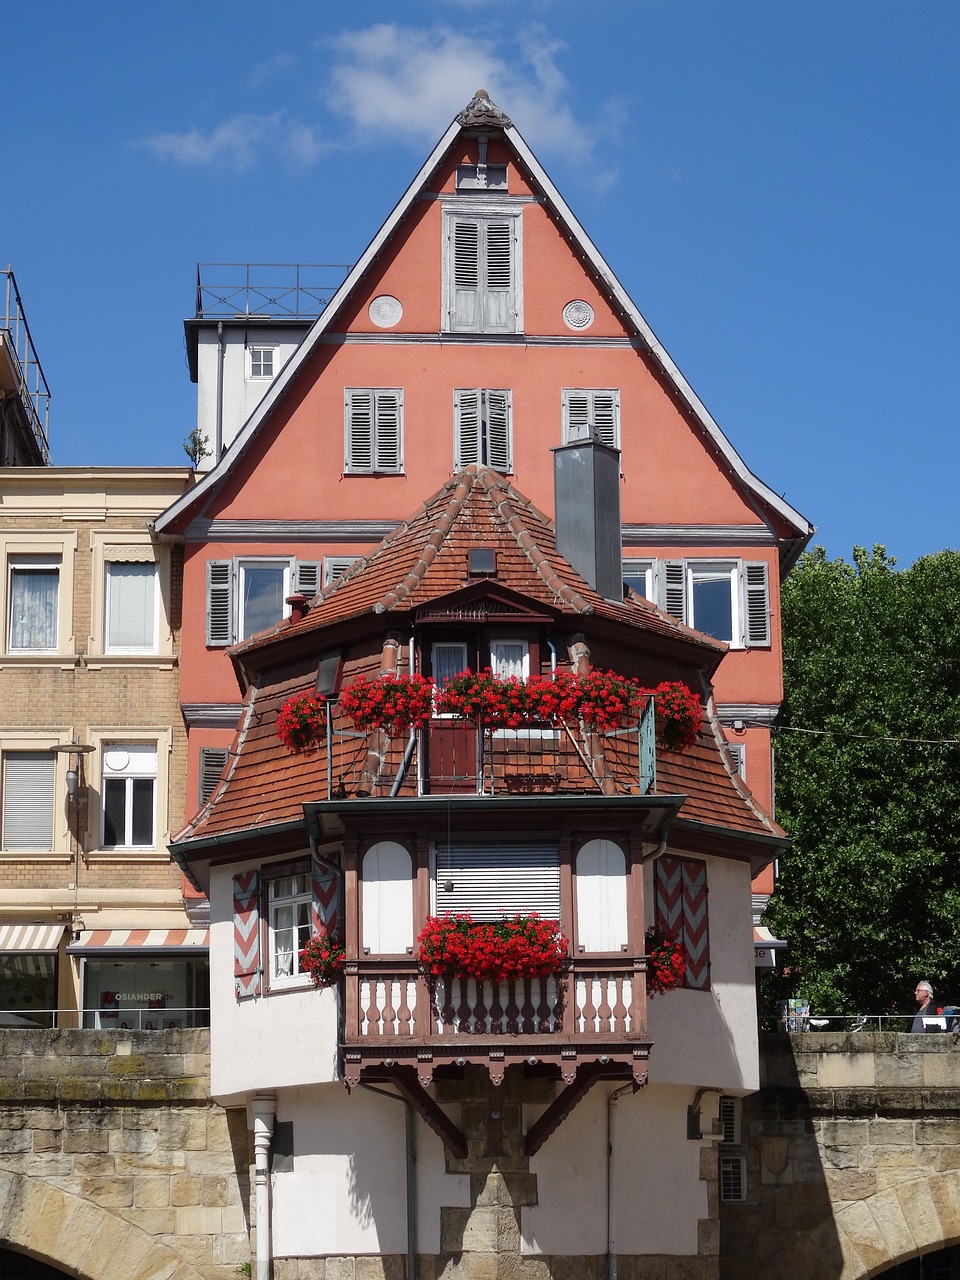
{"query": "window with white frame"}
pixel 248 594
pixel 482 269
pixel 510 658
pixel 33 603
pixel 373 429
pixel 261 362
pixel 131 607
pixel 483 429
pixel 28 800
pixel 129 795
pixel 591 415
pixel 289 904
pixel 726 599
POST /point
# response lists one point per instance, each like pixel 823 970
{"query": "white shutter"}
pixel 466 439
pixel 219 603
pixel 28 778
pixel 498 308
pixel 606 417
pixel 576 416
pixel 675 589
pixel 498 451
pixel 490 881
pixel 601 897
pixel 359 430
pixel 307 577
pixel 387 897
pixel 334 567
pixel 756 599
pixel 465 276
pixel 212 762
pixel 388 437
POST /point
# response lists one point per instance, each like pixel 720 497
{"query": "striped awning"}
pixel 763 939
pixel 31 937
pixel 126 941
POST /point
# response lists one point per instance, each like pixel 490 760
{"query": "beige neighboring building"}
pixel 93 920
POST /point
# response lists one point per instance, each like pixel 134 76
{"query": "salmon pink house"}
pixel 485 705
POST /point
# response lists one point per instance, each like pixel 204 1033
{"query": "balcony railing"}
pixel 25 370
pixel 393 1014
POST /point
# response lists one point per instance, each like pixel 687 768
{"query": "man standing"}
pixel 927 1009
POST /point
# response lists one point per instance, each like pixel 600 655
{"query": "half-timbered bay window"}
pixel 482 269
pixel 483 429
pixel 373 429
pixel 591 415
pixel 247 594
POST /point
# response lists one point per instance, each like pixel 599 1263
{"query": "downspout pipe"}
pixel 264 1114
pixel 612 1243
pixel 411 1175
pixel 218 444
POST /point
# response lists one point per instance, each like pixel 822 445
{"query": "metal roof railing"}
pixel 266 290
pixel 32 384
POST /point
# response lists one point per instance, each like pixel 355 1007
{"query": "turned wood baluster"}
pixel 589 1006
pixel 619 1006
pixel 605 1010
pixel 527 1009
pixel 513 1008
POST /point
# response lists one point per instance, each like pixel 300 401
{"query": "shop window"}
pixel 147 992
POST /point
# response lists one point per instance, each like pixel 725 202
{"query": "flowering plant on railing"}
pixel 395 703
pixel 301 723
pixel 521 946
pixel 679 715
pixel 322 958
pixel 484 698
pixel 666 965
pixel 609 701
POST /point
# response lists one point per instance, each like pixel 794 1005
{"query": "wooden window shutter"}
pixel 756 597
pixel 675 589
pixel 466 442
pixel 388 435
pixel 212 762
pixel 219 603
pixel 307 577
pixel 465 276
pixel 606 417
pixel 247 969
pixel 498 451
pixel 680 889
pixel 323 905
pixel 359 430
pixel 499 311
pixel 576 416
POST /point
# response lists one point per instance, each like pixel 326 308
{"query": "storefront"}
pixel 144 979
pixel 28 974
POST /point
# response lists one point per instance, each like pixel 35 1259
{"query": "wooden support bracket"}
pixel 404 1079
pixel 587 1075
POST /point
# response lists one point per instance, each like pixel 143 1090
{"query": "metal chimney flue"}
pixel 586 478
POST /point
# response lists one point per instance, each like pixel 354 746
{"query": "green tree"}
pixel 868 782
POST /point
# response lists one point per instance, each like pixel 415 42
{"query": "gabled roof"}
pixel 425 563
pixel 482 114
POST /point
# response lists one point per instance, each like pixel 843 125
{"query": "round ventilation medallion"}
pixel 578 314
pixel 385 311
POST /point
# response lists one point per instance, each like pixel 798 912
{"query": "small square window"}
pixel 262 361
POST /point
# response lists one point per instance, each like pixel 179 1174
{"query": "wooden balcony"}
pixel 595 1013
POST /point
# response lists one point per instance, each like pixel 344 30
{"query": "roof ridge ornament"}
pixel 480 112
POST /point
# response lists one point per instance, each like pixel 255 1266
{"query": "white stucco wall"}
pixel 265 1043
pixel 347 1193
pixel 241 394
pixel 708 1039
pixel 657 1192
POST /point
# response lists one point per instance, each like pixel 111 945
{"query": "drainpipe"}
pixel 264 1113
pixel 411 1162
pixel 218 444
pixel 611 1238
pixel 553 657
pixel 412 740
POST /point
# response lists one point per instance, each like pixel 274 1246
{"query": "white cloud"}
pixel 275 66
pixel 391 80
pixel 238 142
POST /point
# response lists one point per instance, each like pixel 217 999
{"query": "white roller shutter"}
pixel 493 880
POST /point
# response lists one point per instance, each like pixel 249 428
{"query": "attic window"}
pixel 483 562
pixel 481 177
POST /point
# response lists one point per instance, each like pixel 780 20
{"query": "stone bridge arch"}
pixel 80 1237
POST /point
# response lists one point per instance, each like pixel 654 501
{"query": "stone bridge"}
pixel 852 1158
pixel 114 1162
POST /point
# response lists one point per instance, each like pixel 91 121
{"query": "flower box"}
pixel 666 964
pixel 323 958
pixel 393 703
pixel 522 946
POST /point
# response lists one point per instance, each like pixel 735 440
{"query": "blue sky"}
pixel 774 182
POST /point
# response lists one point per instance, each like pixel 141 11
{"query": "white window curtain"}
pixel 34 594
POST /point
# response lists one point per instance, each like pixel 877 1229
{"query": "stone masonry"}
pixel 852 1151
pixel 114 1162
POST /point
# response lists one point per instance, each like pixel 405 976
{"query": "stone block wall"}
pixel 852 1151
pixel 114 1162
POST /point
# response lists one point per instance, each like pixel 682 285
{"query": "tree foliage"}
pixel 868 781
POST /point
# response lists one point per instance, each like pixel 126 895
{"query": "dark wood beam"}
pixel 587 1076
pixel 404 1080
